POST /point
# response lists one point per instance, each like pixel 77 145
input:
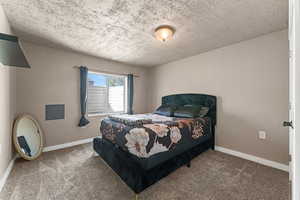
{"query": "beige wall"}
pixel 7 114
pixel 53 80
pixel 7 103
pixel 251 81
pixel 4 24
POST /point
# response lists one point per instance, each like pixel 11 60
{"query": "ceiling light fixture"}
pixel 164 33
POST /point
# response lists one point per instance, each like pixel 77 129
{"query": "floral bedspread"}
pixel 145 140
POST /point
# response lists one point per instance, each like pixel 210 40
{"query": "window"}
pixel 106 93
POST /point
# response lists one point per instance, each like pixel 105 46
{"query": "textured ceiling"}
pixel 122 30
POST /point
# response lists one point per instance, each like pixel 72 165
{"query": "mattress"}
pixel 152 144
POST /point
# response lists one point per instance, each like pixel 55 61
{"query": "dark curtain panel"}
pixel 83 95
pixel 130 93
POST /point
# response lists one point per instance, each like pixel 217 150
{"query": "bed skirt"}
pixel 137 178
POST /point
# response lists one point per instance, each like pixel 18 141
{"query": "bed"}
pixel 141 154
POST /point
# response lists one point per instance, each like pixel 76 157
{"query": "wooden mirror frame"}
pixel 15 140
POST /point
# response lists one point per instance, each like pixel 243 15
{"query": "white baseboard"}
pixel 66 145
pixel 7 172
pixel 217 148
pixel 259 160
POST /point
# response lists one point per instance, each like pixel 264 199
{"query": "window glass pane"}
pixel 96 79
pixel 115 81
pixel 106 93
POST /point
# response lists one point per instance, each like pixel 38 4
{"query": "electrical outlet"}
pixel 262 135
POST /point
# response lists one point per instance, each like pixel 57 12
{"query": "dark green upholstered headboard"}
pixel 194 99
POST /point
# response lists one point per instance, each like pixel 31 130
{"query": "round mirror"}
pixel 28 137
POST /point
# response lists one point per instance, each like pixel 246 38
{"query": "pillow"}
pixel 187 111
pixel 191 111
pixel 203 109
pixel 166 110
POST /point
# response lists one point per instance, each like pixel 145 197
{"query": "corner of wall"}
pixel 149 92
pixel 7 104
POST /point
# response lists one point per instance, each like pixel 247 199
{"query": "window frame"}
pixel 124 96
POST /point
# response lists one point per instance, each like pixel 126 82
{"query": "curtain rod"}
pixel 106 72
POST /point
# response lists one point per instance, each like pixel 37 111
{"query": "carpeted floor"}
pixel 75 174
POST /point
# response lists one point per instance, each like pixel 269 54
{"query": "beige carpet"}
pixel 76 175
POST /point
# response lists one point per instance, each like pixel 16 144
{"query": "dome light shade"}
pixel 164 33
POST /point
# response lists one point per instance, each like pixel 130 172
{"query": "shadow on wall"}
pixel 233 125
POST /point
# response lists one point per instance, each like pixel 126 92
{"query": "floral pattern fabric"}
pixel 145 140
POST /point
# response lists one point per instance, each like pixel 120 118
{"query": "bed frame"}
pixel 137 178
